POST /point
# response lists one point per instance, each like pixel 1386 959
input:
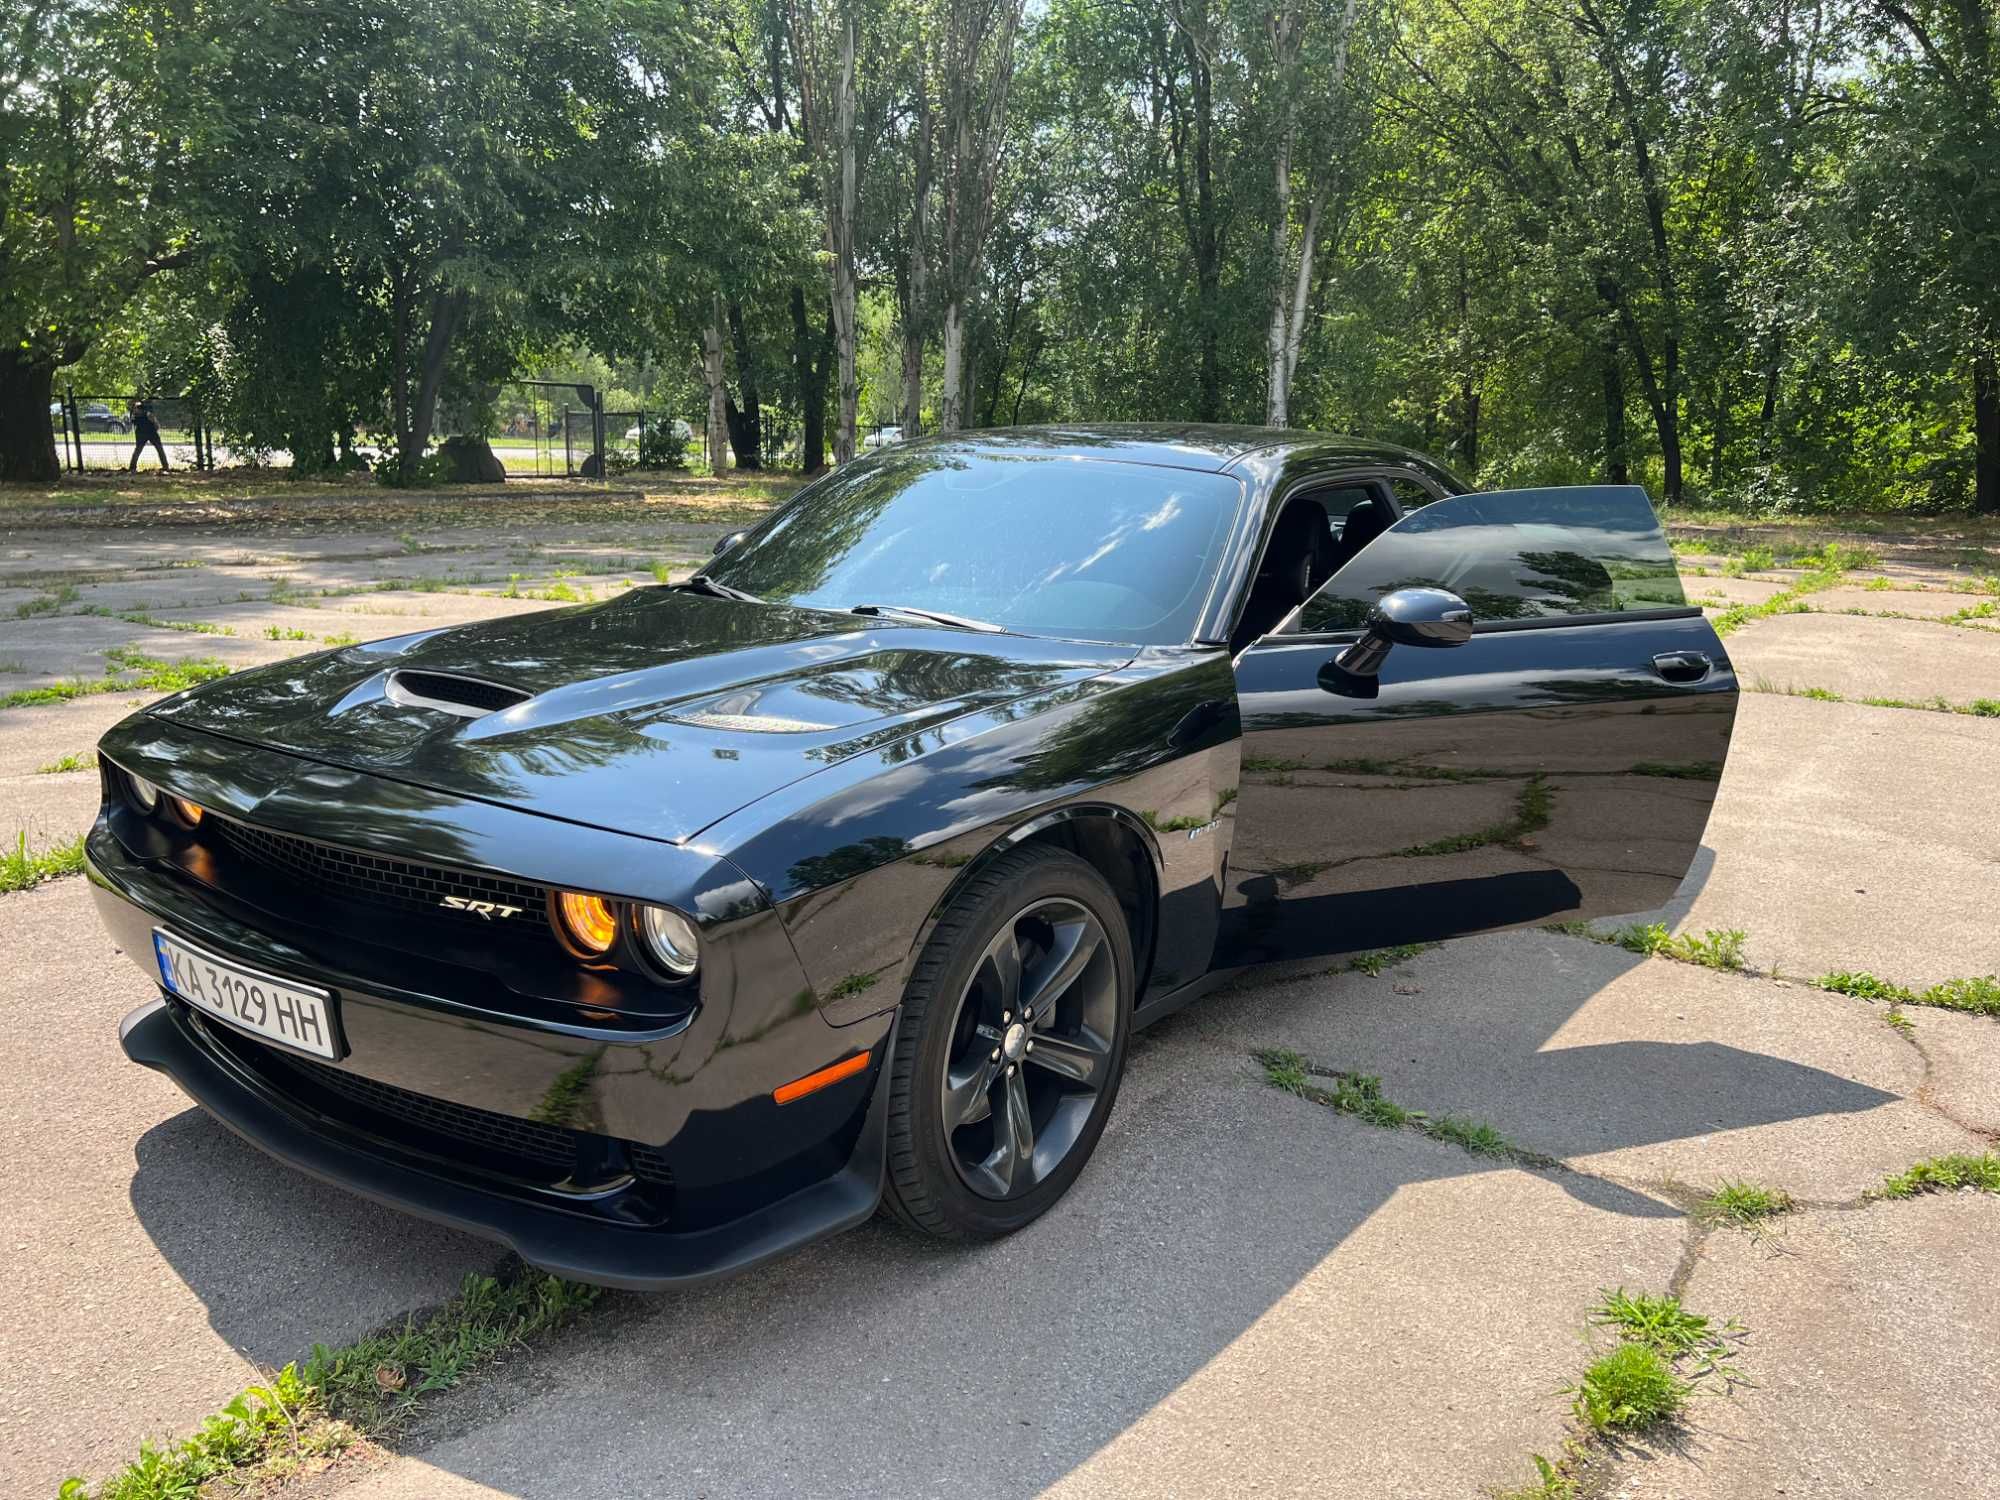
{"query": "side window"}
pixel 1511 555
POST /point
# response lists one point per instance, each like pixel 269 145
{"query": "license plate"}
pixel 263 1005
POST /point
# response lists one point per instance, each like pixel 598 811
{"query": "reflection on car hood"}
pixel 656 713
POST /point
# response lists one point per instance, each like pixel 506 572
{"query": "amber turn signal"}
pixel 798 1088
pixel 185 810
pixel 587 922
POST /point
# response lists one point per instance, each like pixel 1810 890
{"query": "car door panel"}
pixel 1560 764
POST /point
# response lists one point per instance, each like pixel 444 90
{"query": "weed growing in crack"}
pixel 1714 949
pixel 1976 996
pixel 1373 963
pixel 1660 1323
pixel 1551 1483
pixel 1743 1204
pixel 1634 1388
pixel 1945 1174
pixel 311 1412
pixel 1475 1136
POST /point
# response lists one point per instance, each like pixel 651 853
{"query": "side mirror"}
pixel 1408 617
pixel 727 542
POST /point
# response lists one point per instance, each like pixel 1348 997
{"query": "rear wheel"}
pixel 1011 1047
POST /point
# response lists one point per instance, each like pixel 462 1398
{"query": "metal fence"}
pixel 97 431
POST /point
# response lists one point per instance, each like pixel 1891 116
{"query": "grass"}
pixel 46 604
pixel 310 1412
pixel 1360 1095
pixel 20 870
pixel 1634 1388
pixel 85 762
pixel 1945 1174
pixel 1664 1353
pixel 154 622
pixel 1714 949
pixel 286 633
pixel 1976 996
pixel 1551 1483
pixel 1659 1323
pixel 1181 824
pixel 1692 770
pixel 125 671
pixel 1978 708
pixel 1530 815
pixel 1743 1204
pixel 1374 962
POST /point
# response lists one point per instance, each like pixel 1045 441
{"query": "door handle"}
pixel 1682 666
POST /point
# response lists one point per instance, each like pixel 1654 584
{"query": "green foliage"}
pixel 367 1387
pixel 1945 1174
pixel 125 670
pixel 20 869
pixel 1714 949
pixel 1632 1389
pixel 1660 1323
pixel 1743 1204
pixel 1978 996
pixel 1551 1483
pixel 1375 961
pixel 67 763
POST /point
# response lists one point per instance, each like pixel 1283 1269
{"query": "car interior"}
pixel 1317 534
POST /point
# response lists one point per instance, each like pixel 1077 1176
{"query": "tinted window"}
pixel 1512 555
pixel 1044 544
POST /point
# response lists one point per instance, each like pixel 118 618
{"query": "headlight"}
pixel 670 940
pixel 587 923
pixel 143 794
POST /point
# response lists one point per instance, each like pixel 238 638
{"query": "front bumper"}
pixel 162 1036
pixel 630 1148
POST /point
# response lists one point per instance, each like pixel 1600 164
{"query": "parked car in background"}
pixel 95 416
pixel 657 936
pixel 681 430
pixel 882 437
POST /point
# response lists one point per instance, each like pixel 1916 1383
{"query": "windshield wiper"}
pixel 959 622
pixel 708 585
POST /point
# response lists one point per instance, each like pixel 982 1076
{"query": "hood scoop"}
pixel 451 693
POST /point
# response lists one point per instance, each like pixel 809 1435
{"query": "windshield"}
pixel 1036 543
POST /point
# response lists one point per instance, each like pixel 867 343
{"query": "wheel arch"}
pixel 1112 840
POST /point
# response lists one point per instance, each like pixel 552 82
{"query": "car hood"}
pixel 655 713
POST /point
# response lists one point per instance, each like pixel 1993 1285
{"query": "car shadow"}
pixel 279 1260
pixel 878 1362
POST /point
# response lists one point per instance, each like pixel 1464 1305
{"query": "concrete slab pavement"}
pixel 1862 658
pixel 1848 837
pixel 1871 1353
pixel 154 1259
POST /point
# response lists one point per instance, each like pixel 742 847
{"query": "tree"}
pixel 101 115
pixel 1924 204
pixel 456 164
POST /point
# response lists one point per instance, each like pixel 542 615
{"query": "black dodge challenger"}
pixel 659 936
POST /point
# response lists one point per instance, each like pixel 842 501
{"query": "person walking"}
pixel 145 430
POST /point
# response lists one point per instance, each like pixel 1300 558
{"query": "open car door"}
pixel 1411 774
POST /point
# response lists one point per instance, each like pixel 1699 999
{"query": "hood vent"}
pixel 447 692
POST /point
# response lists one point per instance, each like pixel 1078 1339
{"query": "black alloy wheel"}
pixel 1011 1046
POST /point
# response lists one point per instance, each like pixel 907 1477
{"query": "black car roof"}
pixel 1190 445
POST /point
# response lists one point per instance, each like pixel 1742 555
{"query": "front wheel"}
pixel 1011 1046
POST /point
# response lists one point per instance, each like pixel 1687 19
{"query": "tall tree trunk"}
pixel 447 309
pixel 717 436
pixel 1767 416
pixel 1617 469
pixel 1208 250
pixel 809 357
pixel 27 441
pixel 746 429
pixel 913 380
pixel 1277 335
pixel 951 396
pixel 840 235
pixel 1986 430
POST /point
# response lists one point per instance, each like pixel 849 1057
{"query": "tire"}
pixel 956 1172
